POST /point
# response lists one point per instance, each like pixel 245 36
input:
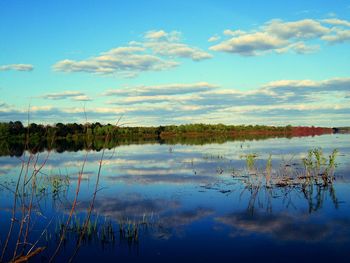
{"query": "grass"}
pixel 250 160
pixel 104 230
pixel 53 184
pixel 317 165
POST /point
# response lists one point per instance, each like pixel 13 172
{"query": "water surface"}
pixel 165 203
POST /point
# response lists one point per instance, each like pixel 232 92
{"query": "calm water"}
pixel 188 203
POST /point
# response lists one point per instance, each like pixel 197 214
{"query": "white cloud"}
pixel 176 50
pixel 213 38
pixel 229 32
pixel 41 108
pixel 278 100
pixel 302 29
pixel 17 67
pixel 330 85
pixel 250 44
pixel 123 61
pixel 154 35
pixel 270 104
pixel 74 95
pixel 165 89
pixel 280 37
pixel 338 36
pixel 300 102
pixel 302 48
pixel 336 22
pixel 82 98
pixel 169 45
pixel 156 52
pixel 147 99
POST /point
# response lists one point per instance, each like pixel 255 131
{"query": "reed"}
pixel 313 182
pixel 32 185
pixel 268 171
pixel 250 160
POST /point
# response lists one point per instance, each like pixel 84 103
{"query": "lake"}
pixel 243 201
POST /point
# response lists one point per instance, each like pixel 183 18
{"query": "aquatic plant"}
pixel 129 230
pixel 319 158
pixel 313 182
pixel 316 165
pixel 53 184
pixel 250 160
pixel 332 162
pixel 268 171
pixel 308 163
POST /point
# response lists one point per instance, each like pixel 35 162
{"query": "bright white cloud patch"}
pixel 158 51
pixel 17 67
pixel 214 38
pixel 155 35
pixel 169 45
pixel 280 36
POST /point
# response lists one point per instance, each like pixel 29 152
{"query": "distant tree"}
pixel 16 128
pixel 61 130
pixel 4 129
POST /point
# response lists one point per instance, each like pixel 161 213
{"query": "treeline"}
pixel 342 130
pixel 71 130
pixel 18 147
pixel 15 138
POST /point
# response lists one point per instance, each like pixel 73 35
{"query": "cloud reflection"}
pixel 284 226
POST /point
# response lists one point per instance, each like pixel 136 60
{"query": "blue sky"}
pixel 173 62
